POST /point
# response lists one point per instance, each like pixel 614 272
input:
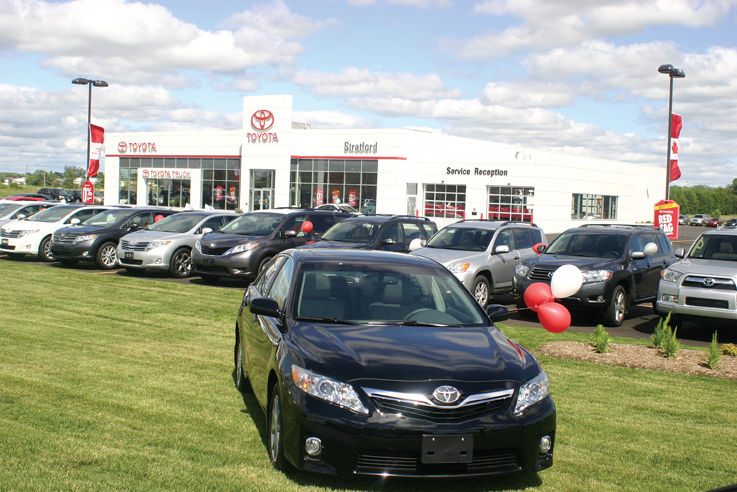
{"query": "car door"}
pixel 390 238
pixel 502 263
pixel 261 334
pixel 410 231
pixel 641 269
pixel 656 262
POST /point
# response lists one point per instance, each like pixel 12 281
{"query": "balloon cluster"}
pixel 540 297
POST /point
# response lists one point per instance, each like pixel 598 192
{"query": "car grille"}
pixel 130 246
pixel 424 409
pixel 207 250
pixel 543 274
pixel 13 234
pixel 709 282
pixel 125 261
pixel 389 463
pixel 63 238
pixel 709 303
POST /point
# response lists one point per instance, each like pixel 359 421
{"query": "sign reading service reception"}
pixel 666 217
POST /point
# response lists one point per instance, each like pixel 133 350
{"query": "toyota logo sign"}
pixel 446 394
pixel 262 120
pixel 122 147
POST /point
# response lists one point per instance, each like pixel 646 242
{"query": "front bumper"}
pixel 22 245
pixel 592 295
pixel 84 251
pixel 235 265
pixel 154 259
pixel 384 444
pixel 698 302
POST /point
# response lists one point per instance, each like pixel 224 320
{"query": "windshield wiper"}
pixel 326 319
pixel 412 322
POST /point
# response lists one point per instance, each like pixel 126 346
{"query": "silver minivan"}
pixel 482 254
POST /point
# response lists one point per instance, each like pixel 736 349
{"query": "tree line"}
pixel 54 179
pixel 702 199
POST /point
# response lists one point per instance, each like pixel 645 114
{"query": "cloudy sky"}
pixel 576 76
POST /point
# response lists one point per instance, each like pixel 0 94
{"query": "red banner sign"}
pixel 666 217
pixel 88 192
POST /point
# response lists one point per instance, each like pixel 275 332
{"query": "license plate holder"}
pixel 128 255
pixel 209 262
pixel 4 242
pixel 447 449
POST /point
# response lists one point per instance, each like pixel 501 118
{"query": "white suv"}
pixel 699 219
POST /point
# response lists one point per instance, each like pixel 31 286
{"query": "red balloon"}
pixel 536 247
pixel 538 294
pixel 554 317
pixel 158 218
pixel 306 226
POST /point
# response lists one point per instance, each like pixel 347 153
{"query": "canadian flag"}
pixel 675 130
pixel 97 138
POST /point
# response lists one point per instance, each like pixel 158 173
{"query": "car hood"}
pixel 420 353
pixel 337 245
pixel 449 256
pixel 79 230
pixel 583 263
pixel 218 240
pixel 712 268
pixel 145 235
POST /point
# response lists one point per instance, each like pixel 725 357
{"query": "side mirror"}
pixel 74 221
pixel 680 253
pixel 540 248
pixel 497 312
pixel 265 306
pixel 416 244
pixel 289 233
pixel 501 249
pixel 20 216
pixel 637 255
pixel 206 230
pixel 388 241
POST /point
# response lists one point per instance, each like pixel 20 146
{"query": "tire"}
pixel 617 309
pixel 44 250
pixel 275 430
pixel 180 263
pixel 481 290
pixel 263 263
pixel 241 380
pixel 107 256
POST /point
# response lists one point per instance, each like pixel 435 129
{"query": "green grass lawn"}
pixel 115 382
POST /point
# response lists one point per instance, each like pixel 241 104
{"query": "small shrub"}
pixel 713 357
pixel 671 345
pixel 729 349
pixel 661 332
pixel 600 340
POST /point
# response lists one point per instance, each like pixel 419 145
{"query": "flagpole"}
pixel 672 72
pixel 89 83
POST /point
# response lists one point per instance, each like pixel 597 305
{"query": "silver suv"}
pixel 699 219
pixel 483 255
pixel 704 282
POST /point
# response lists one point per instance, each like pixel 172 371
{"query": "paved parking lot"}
pixel 639 323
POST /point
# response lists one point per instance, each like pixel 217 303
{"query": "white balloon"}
pixel 651 249
pixel 566 281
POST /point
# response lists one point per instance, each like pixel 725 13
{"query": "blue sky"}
pixel 579 77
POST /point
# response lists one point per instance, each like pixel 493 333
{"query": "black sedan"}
pixel 377 363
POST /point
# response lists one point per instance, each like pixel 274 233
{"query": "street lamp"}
pixel 676 73
pixel 89 83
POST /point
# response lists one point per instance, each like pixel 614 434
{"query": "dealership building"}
pixel 276 162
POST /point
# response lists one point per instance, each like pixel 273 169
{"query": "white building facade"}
pixel 273 162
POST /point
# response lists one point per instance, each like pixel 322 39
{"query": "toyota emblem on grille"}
pixel 446 394
pixel 550 275
pixel 708 282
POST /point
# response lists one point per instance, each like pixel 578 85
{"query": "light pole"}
pixel 89 83
pixel 676 73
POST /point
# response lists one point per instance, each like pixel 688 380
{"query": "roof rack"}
pixel 637 226
pixel 501 222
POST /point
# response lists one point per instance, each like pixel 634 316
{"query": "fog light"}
pixel 313 446
pixel 545 444
pixel 668 298
pixel 157 261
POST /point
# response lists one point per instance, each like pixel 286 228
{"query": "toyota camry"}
pixel 377 363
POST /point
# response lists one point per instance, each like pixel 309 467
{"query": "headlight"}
pixel 85 237
pixel 671 275
pixel 521 270
pixel 532 392
pixel 459 267
pixel 241 248
pixel 156 244
pixel 327 389
pixel 27 232
pixel 596 275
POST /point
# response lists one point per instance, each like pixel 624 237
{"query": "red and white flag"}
pixel 97 138
pixel 676 123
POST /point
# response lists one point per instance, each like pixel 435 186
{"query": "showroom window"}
pixel 221 183
pixel 315 182
pixel 443 200
pixel 597 207
pixel 510 203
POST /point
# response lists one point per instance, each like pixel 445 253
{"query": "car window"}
pixel 213 223
pixel 294 223
pixel 85 214
pixel 522 238
pixel 461 238
pixel 262 282
pixel 390 232
pixel 253 224
pixel 430 229
pixel 650 238
pixel 141 220
pixel 664 243
pixel 280 286
pixel 322 222
pixel 505 238
pixel 637 243
pixel 411 231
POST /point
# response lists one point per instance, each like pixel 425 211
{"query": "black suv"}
pixel 390 233
pixel 621 266
pixel 96 239
pixel 244 246
pixel 55 193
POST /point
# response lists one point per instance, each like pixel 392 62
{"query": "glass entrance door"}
pixel 261 199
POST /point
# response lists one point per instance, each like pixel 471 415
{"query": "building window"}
pixel 262 189
pixel 510 203
pixel 128 180
pixel 597 207
pixel 221 182
pixel 315 182
pixel 443 200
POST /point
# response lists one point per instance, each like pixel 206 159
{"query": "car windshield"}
pixel 715 247
pixel 176 223
pixel 9 208
pixel 405 295
pixel 258 224
pixel 53 214
pixel 352 232
pixel 108 217
pixel 462 238
pixel 588 244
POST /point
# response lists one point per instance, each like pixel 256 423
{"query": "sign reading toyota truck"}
pixel 666 217
pixel 261 122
